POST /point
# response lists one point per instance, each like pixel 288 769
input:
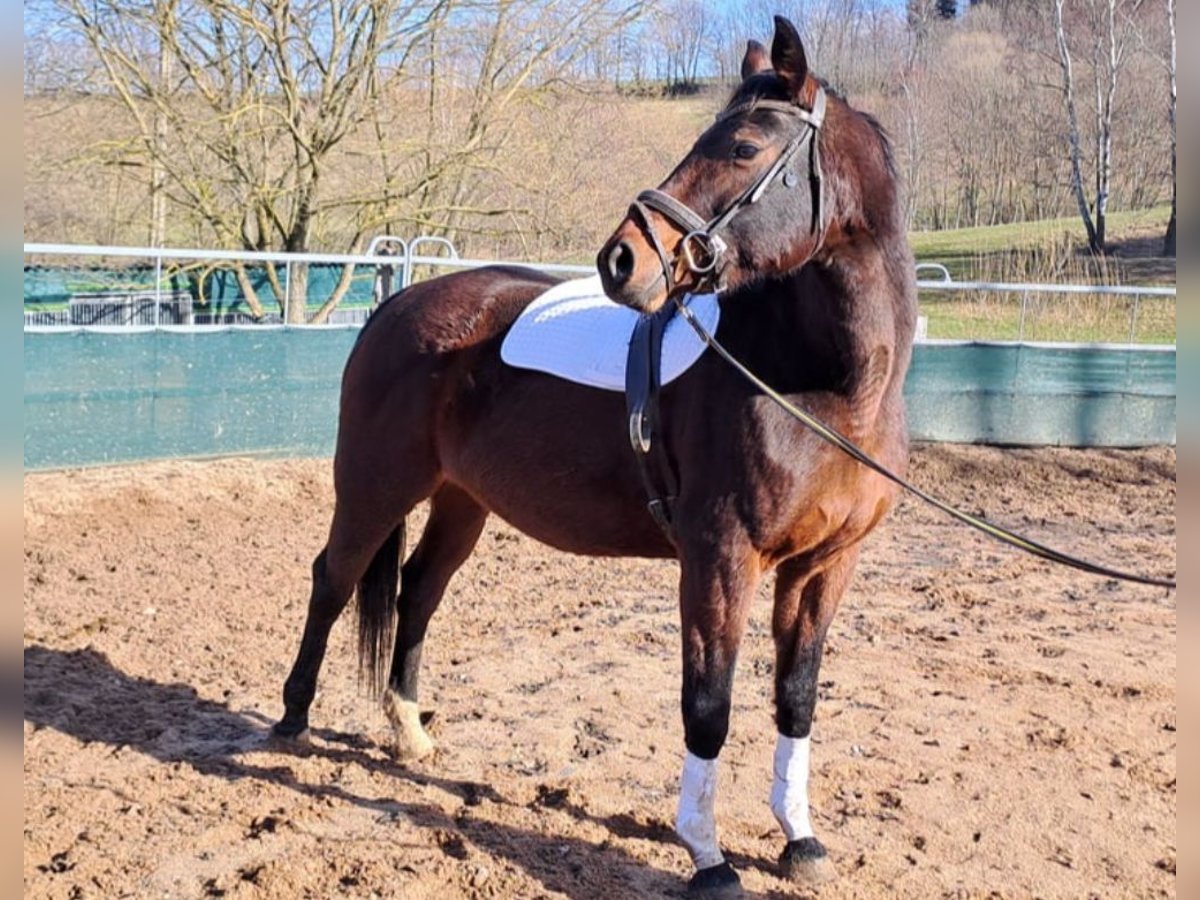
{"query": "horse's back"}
pixel 449 313
pixel 402 369
pixel 415 336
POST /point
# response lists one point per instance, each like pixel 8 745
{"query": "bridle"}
pixel 702 248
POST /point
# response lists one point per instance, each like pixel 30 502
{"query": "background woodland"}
pixel 521 128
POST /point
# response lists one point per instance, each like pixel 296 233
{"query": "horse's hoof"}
pixel 409 740
pixel 293 732
pixel 806 862
pixel 410 748
pixel 719 882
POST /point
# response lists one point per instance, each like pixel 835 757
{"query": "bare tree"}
pixel 1107 27
pixel 253 116
pixel 685 29
pixel 1169 240
pixel 239 106
pixel 486 74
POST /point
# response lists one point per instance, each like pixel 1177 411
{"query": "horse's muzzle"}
pixel 630 270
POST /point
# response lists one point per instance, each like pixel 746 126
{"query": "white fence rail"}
pixel 382 263
pixel 393 262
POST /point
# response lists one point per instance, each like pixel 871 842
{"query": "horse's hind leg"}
pixel 805 602
pixel 455 523
pixel 354 545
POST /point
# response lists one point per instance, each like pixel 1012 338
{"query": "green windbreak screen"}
pixel 103 397
pixel 106 397
pixel 1076 396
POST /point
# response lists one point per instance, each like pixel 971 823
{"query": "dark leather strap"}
pixel 643 380
pixel 672 209
pixel 668 266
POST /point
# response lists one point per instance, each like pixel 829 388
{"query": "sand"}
pixel 989 724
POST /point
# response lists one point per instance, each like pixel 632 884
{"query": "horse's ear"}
pixel 755 60
pixel 787 55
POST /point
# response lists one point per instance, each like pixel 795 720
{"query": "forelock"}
pixel 764 85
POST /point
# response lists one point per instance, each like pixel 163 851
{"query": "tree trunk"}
pixel 158 174
pixel 1064 57
pixel 1169 240
pixel 297 294
pixel 296 290
pixel 248 292
pixel 1104 165
pixel 321 316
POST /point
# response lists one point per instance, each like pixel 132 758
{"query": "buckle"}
pixel 701 251
pixel 639 431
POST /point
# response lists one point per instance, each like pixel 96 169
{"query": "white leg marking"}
pixel 696 823
pixel 789 789
pixel 408 736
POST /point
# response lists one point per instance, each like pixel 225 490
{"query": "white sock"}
pixel 789 788
pixel 696 822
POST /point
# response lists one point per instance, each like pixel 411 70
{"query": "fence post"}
pixel 1133 319
pixel 287 289
pixel 406 269
pixel 158 265
pixel 1024 308
pixel 383 278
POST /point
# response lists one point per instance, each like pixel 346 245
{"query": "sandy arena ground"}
pixel 989 725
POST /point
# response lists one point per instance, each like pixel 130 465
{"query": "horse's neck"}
pixel 799 333
pixel 841 326
pixel 866 258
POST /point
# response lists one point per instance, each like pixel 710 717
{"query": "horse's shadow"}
pixel 81 693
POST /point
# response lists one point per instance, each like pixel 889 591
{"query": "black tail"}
pixel 377 610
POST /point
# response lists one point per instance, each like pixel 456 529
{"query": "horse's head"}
pixel 746 202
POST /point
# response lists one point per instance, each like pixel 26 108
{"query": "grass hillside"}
pixel 1053 248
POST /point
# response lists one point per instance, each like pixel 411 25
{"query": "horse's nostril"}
pixel 620 263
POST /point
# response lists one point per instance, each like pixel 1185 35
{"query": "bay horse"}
pixel 817 295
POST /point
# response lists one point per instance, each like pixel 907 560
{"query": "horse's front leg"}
pixel 805 601
pixel 716 587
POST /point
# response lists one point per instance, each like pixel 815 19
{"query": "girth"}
pixel 643 381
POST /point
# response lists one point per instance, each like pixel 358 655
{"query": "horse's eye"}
pixel 745 150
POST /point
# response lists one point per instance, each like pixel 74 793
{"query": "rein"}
pixel 844 444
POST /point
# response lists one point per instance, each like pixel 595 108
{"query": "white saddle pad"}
pixel 575 332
